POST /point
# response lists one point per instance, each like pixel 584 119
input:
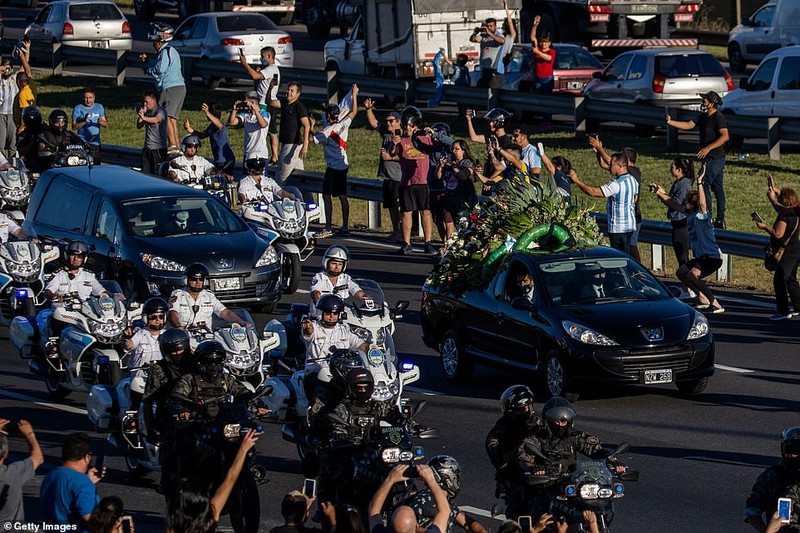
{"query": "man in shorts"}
pixel 388 165
pixel 294 116
pixel 166 69
pixel 333 139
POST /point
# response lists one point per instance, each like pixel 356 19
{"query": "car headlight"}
pixel 269 257
pixel 589 491
pixel 160 263
pixel 700 327
pixel 586 335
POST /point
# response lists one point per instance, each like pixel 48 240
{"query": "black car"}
pixel 143 231
pixel 596 316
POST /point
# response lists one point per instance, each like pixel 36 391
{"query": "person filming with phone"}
pixel 403 519
pixel 777 483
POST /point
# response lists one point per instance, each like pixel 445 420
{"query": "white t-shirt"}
pixel 267 189
pixel 255 137
pixel 263 85
pixel 333 139
pixel 207 304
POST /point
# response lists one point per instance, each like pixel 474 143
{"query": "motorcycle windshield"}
pixel 374 300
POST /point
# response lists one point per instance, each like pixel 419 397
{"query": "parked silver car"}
pixel 84 23
pixel 670 78
pixel 223 35
pixel 773 90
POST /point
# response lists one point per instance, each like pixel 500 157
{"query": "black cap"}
pixel 713 98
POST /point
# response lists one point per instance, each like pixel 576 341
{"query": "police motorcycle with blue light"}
pixel 196 171
pixel 60 147
pixel 15 188
pixel 281 217
pixel 78 342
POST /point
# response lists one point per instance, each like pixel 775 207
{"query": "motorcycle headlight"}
pixel 23 271
pixel 269 257
pixel 75 160
pixel 230 431
pixel 160 263
pixel 107 331
pixel 14 195
pixel 589 491
pixel 700 327
pixel 586 335
pixel 382 393
pixel 363 333
pixel 390 455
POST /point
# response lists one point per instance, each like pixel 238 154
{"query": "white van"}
pixel 773 90
pixel 773 25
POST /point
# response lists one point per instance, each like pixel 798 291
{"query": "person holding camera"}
pixel 266 80
pixel 8 93
pixel 388 165
pixel 254 118
pixel 403 519
pixel 153 119
pixel 13 476
pixel 26 96
pixel 491 40
pixel 217 133
pixel 778 481
pixel 457 173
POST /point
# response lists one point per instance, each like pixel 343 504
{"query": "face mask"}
pixel 703 108
pixel 265 62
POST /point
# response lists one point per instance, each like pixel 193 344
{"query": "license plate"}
pixel 643 8
pixel 684 17
pixel 658 376
pixel 574 85
pixel 226 284
pixel 99 44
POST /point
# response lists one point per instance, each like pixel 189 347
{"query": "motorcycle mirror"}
pixel 333 417
pixel 419 408
pixel 622 448
pixel 629 475
pixel 402 305
pixel 535 451
pixel 133 305
pixel 532 480
pixel 431 433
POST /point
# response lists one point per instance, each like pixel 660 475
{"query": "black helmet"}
pixel 790 445
pixel 411 115
pixel 441 127
pixel 336 252
pixel 58 120
pixel 359 384
pixel 330 303
pixel 255 165
pixel 210 359
pixel 517 403
pixel 32 117
pixel 190 140
pixel 195 271
pixel 153 306
pixel 174 343
pixel 555 409
pixel 343 361
pixel 499 116
pixel 447 472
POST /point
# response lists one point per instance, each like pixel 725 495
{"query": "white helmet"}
pixel 160 32
pixel 338 253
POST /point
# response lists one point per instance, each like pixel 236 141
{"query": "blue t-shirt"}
pixel 220 144
pixel 460 76
pixel 90 132
pixel 701 235
pixel 563 184
pixel 67 496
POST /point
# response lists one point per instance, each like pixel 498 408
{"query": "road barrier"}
pixel 657 233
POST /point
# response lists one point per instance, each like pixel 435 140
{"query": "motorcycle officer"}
pixel 28 140
pixel 258 186
pixel 55 138
pixel 193 305
pixel 189 167
pixel 161 380
pixel 333 280
pixel 781 480
pixel 144 347
pixel 560 443
pixel 519 421
pixel 9 226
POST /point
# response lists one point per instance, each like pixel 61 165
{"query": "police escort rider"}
pixel 333 279
pixel 781 480
pixel 55 138
pixel 189 167
pixel 257 186
pixel 144 346
pixel 193 305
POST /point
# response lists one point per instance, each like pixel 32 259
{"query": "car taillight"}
pixel 231 42
pixel 729 81
pixel 285 40
pixel 126 27
pixel 68 30
pixel 658 84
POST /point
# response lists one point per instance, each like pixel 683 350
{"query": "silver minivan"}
pixel 83 23
pixel 773 90
pixel 663 77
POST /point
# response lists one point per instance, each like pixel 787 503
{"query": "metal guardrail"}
pixel 656 233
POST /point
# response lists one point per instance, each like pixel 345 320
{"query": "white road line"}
pixel 426 392
pixel 734 369
pixel 751 303
pixel 392 246
pixel 482 512
pixel 302 291
pixel 37 401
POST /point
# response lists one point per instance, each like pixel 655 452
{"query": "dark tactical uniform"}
pixel 425 509
pixel 55 143
pixel 562 454
pixel 161 380
pixel 502 446
pixel 781 480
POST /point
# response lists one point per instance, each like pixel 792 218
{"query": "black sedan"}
pixel 594 316
pixel 144 231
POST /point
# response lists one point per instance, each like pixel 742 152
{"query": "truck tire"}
pixel 457 366
pixel 316 25
pixel 735 58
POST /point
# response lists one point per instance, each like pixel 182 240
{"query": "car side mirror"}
pixel 675 291
pixel 598 75
pixel 523 304
pixel 744 84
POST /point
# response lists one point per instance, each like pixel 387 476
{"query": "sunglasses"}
pixel 198 278
pixel 158 316
pixel 7 69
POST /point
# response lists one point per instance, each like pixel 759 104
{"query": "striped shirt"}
pixel 620 204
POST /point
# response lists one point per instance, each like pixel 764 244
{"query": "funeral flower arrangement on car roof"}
pixel 517 216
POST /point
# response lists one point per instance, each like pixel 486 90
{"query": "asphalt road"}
pixel 697 456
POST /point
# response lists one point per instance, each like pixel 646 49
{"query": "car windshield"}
pixel 573 57
pixel 244 23
pixel 689 65
pixel 94 12
pixel 598 281
pixel 175 216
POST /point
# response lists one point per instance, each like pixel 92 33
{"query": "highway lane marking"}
pixel 751 303
pixel 394 246
pixel 734 369
pixel 425 392
pixel 37 401
pixel 482 512
pixel 302 291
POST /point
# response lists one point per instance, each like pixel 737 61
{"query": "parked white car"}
pixel 773 90
pixel 774 25
pixel 83 23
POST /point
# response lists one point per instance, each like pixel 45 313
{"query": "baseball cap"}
pixel 712 97
pixel 253 95
pixel 394 114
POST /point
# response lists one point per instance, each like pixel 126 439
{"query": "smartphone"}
pixel 525 523
pixel 310 488
pixel 241 51
pixel 275 78
pixel 785 510
pixel 411 472
pixel 756 217
pixel 127 524
pixel 99 461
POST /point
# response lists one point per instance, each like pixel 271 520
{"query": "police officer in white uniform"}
pixel 333 280
pixel 8 226
pixel 320 335
pixel 194 304
pixel 189 166
pixel 144 346
pixel 73 278
pixel 257 186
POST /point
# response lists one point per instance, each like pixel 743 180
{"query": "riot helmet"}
pixel 195 271
pixel 255 166
pixel 337 252
pixel 32 118
pixel 516 403
pixel 441 127
pixel 174 344
pixel 155 308
pixel 499 116
pixel 343 361
pixel 557 410
pixel 210 359
pixel 790 446
pixel 447 472
pixel 58 120
pixel 359 384
pixel 330 303
pixel 411 115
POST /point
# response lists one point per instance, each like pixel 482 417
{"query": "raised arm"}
pixel 474 137
pixel 221 495
pixel 254 74
pixel 701 193
pixel 354 109
pixel 372 120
